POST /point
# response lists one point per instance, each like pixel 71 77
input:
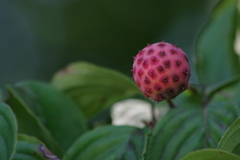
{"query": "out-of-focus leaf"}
pixel 231 140
pixel 108 143
pixel 211 154
pixel 30 148
pixel 212 90
pixel 188 128
pixel 29 139
pixel 57 112
pixel 28 122
pixel 191 96
pixel 231 94
pixel 216 60
pixel 8 131
pixel 93 87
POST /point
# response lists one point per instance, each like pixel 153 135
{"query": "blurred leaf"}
pixel 211 154
pixel 231 140
pixel 188 128
pixel 29 139
pixel 108 143
pixel 28 122
pixel 231 94
pixel 56 111
pixel 102 118
pixel 8 130
pixel 216 59
pixel 30 148
pixel 222 85
pixel 94 87
pixel 191 96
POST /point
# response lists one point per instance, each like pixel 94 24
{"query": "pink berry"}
pixel 161 71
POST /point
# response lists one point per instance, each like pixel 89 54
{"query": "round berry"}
pixel 161 71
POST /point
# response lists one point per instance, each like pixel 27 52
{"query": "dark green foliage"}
pixel 231 141
pixel 50 110
pixel 111 142
pixel 39 120
pixel 29 123
pixel 211 154
pixel 28 148
pixel 188 128
pixel 84 82
pixel 8 129
pixel 214 47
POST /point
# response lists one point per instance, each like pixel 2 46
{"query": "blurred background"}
pixel 40 37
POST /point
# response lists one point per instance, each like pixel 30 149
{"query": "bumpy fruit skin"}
pixel 161 71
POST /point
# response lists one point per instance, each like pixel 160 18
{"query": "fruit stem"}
pixel 154 120
pixel 170 104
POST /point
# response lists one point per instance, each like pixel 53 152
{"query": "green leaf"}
pixel 30 148
pixel 231 94
pixel 231 140
pixel 56 111
pixel 29 139
pixel 8 130
pixel 93 87
pixel 220 86
pixel 188 128
pixel 211 154
pixel 216 60
pixel 28 122
pixel 108 143
pixel 192 96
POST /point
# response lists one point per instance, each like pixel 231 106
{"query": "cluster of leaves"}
pixel 70 116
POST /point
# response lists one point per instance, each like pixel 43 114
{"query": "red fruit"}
pixel 161 71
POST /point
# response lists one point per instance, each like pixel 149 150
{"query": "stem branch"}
pixel 170 104
pixel 154 120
